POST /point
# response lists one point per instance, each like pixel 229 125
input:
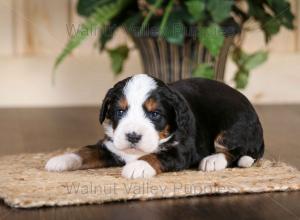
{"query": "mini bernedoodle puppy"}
pixel 152 128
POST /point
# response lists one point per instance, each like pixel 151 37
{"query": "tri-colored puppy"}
pixel 152 128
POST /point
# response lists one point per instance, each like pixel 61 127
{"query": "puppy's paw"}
pixel 64 162
pixel 213 162
pixel 245 161
pixel 138 169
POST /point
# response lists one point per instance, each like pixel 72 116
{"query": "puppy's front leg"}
pixel 145 167
pixel 152 164
pixel 92 156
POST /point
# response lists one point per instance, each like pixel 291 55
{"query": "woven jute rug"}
pixel 25 184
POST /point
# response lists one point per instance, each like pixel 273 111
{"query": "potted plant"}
pixel 182 38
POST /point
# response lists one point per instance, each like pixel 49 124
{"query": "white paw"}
pixel 213 162
pixel 138 169
pixel 64 162
pixel 245 161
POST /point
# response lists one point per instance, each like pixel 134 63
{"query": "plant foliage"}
pixel 171 19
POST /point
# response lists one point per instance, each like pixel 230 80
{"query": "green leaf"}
pixel 106 34
pixel 108 31
pixel 255 60
pixel 195 8
pixel 204 70
pixel 282 10
pixel 271 14
pixel 271 27
pixel 239 56
pixel 133 23
pixel 245 63
pixel 166 17
pixel 118 56
pixel 97 20
pixel 174 30
pixel 156 5
pixel 277 5
pixel 248 62
pixel 87 7
pixel 212 38
pixel 241 79
pixel 219 9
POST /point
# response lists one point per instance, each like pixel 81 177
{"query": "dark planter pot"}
pixel 170 62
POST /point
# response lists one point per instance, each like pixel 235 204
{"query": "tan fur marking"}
pixel 165 132
pixel 90 158
pixel 150 105
pixel 153 161
pixel 123 104
pixel 221 148
pixel 219 138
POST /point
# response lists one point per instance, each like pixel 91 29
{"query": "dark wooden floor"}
pixel 36 130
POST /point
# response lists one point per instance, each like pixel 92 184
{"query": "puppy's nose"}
pixel 133 137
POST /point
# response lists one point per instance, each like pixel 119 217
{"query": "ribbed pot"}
pixel 170 62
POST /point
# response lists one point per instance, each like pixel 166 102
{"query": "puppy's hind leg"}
pixel 234 148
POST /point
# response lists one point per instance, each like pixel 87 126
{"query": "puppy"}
pixel 152 128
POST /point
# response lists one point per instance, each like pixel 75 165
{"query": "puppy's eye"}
pixel 120 113
pixel 154 115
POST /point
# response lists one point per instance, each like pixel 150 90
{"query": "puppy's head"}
pixel 139 114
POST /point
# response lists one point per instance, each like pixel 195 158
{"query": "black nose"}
pixel 133 137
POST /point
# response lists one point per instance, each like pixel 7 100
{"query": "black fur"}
pixel 217 109
pixel 204 109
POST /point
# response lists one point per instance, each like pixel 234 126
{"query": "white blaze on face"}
pixel 136 92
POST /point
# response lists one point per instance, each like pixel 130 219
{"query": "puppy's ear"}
pixel 105 104
pixel 184 118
